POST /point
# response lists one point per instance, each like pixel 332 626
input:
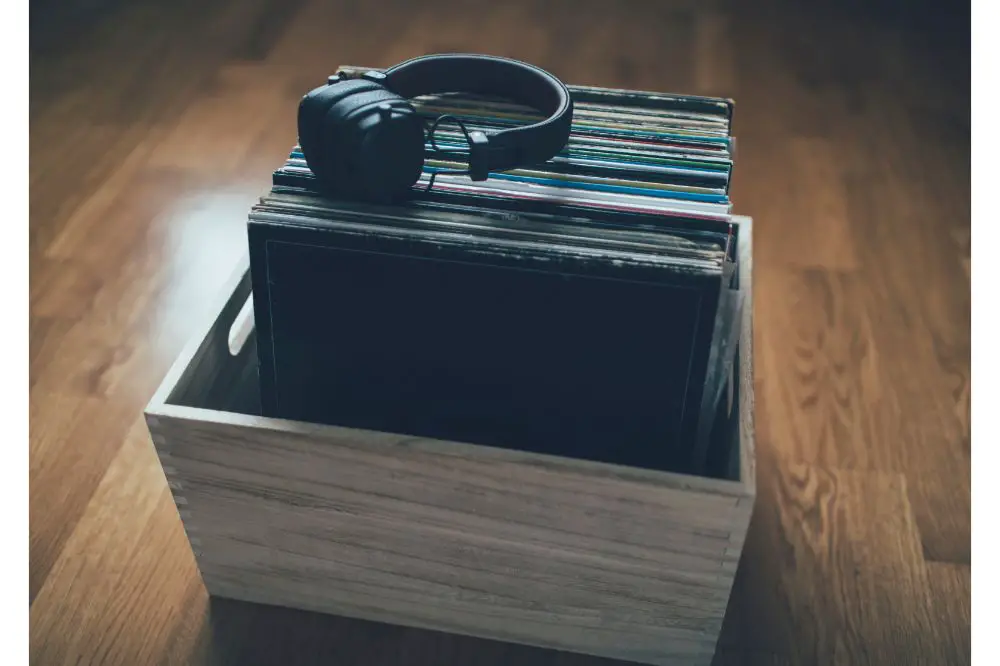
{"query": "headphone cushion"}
pixel 313 119
pixel 374 140
pixel 362 139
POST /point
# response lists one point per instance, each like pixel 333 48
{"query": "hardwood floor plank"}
pixel 714 57
pixel 270 22
pixel 860 388
pixel 926 359
pixel 794 186
pixel 827 395
pixel 77 161
pixel 126 569
pixel 950 607
pixel 59 422
pixel 849 572
pixel 114 193
pixel 942 507
pixel 177 238
pixel 236 107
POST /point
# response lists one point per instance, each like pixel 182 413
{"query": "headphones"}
pixel 362 138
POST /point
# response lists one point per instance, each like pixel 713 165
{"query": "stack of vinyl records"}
pixel 585 307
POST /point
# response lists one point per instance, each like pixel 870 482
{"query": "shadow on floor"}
pixel 246 634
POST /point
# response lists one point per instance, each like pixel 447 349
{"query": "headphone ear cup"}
pixel 318 127
pixel 378 138
pixel 391 158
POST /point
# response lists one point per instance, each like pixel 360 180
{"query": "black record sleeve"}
pixel 569 353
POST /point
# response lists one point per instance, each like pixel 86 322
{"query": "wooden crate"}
pixel 554 552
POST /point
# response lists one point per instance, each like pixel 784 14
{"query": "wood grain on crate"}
pixel 421 533
pixel 549 551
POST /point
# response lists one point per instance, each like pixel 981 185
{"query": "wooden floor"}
pixel 155 125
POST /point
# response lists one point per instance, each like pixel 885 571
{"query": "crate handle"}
pixel 242 327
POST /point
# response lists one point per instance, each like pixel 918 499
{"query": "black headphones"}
pixel 362 138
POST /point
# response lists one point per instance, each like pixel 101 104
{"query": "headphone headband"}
pixel 500 77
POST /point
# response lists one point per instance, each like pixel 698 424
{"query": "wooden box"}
pixel 555 552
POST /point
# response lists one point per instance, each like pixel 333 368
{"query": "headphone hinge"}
pixel 483 155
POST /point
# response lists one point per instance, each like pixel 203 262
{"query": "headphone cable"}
pixel 433 141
